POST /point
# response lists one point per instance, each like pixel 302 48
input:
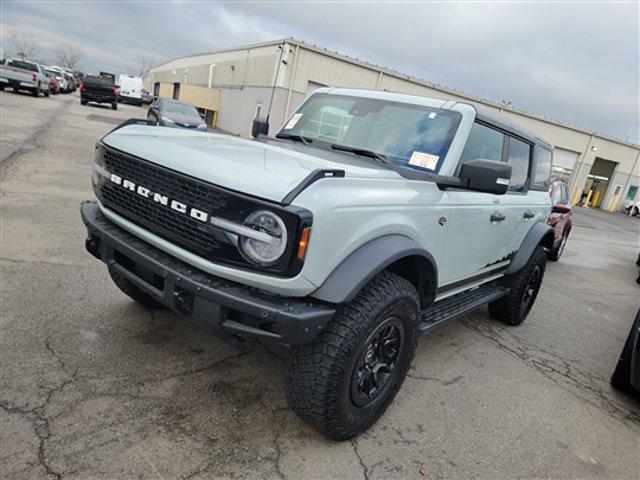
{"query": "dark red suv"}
pixel 560 218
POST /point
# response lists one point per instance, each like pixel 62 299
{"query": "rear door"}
pixel 524 207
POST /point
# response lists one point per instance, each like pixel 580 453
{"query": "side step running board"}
pixel 456 305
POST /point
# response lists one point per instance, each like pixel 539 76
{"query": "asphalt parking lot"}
pixel 94 386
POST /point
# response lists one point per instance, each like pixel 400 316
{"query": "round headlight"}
pixel 270 250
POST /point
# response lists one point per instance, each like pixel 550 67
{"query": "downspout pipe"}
pixel 211 67
pixel 291 80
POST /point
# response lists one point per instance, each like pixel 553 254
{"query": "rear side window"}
pixel 32 67
pixel 99 80
pixel 542 168
pixel 518 157
pixel 483 142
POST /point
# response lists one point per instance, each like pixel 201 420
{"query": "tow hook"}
pixel 183 301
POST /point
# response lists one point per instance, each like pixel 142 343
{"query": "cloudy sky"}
pixel 577 62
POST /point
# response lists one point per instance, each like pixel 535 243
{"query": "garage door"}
pixel 564 158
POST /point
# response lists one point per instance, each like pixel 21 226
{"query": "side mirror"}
pixel 260 126
pixel 560 208
pixel 489 176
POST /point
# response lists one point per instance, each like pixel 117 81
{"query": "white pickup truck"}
pixel 24 75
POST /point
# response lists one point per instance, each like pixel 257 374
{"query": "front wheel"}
pixel 344 380
pixel 524 286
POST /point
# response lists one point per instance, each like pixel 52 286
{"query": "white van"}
pixel 130 89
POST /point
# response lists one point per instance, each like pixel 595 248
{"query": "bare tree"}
pixel 23 45
pixel 141 66
pixel 68 56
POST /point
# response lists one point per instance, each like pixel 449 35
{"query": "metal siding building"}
pixel 291 69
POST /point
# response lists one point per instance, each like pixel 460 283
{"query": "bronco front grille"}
pixel 193 235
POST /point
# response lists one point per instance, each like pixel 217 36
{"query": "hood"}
pixel 248 166
pixel 182 120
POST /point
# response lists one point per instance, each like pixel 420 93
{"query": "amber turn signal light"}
pixel 302 244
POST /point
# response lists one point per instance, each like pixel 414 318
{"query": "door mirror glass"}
pixel 482 175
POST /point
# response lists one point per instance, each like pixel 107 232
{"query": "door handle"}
pixel 498 217
pixel 529 214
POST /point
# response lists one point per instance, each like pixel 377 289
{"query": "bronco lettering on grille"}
pixel 159 198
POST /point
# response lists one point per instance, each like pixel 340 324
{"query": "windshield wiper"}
pixel 295 138
pixel 362 152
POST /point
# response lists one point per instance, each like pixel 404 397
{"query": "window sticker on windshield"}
pixel 424 160
pixel 432 115
pixel 292 122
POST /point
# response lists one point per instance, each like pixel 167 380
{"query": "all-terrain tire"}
pixel 621 378
pixel 524 285
pixel 322 376
pixel 134 292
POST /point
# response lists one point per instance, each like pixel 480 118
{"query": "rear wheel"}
pixel 133 292
pixel 114 106
pixel 344 380
pixel 524 286
pixel 36 91
pixel 47 93
pixel 83 101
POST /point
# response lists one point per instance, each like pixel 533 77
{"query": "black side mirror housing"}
pixel 482 175
pixel 260 126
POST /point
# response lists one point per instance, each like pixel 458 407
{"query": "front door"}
pixel 475 230
pixel 476 223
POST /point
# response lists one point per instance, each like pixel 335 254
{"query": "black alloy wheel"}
pixel 531 289
pixel 376 363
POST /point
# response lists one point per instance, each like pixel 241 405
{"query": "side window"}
pixel 565 195
pixel 518 157
pixel 542 168
pixel 483 142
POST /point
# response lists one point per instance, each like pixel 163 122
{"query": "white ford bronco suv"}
pixel 369 219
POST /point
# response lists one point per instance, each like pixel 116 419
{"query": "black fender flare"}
pixel 364 263
pixel 540 233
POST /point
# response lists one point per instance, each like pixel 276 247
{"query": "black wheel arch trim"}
pixel 539 234
pixel 364 263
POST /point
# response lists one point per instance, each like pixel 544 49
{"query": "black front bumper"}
pixel 222 306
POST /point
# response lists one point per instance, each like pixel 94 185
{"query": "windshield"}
pixel 402 134
pixel 181 108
